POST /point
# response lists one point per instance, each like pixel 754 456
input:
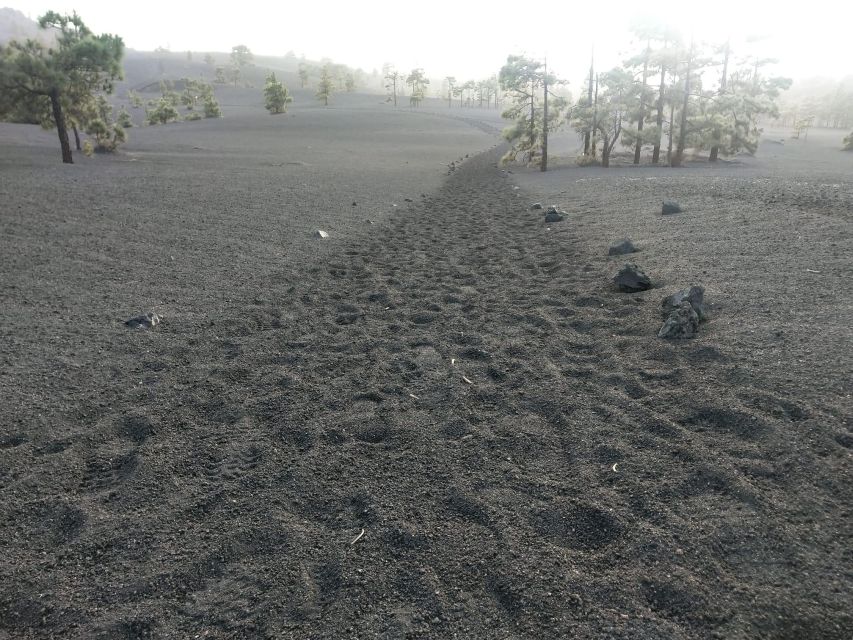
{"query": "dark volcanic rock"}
pixel 631 278
pixel 682 322
pixel 552 208
pixel 694 296
pixel 144 321
pixel 670 207
pixel 624 247
pixel 554 216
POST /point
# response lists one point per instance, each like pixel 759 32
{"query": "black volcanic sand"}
pixel 447 425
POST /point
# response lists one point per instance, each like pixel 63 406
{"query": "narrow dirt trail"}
pixel 452 428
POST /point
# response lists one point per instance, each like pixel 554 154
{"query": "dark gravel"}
pixel 447 424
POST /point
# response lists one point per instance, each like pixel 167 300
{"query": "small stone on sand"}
pixel 670 207
pixel 631 278
pixel 682 322
pixel 623 248
pixel 694 296
pixel 144 321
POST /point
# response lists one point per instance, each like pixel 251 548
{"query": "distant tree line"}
pixel 681 94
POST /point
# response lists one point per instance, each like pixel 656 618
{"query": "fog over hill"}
pixel 14 25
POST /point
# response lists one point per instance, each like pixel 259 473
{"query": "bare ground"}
pixel 445 424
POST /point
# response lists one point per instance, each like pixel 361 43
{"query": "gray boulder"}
pixel 670 207
pixel 682 322
pixel 536 206
pixel 319 233
pixel 621 249
pixel 145 321
pixel 631 279
pixel 694 296
pixel 554 216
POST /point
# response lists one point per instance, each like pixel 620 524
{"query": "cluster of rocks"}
pixel 683 311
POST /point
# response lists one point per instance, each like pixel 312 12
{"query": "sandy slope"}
pixel 457 382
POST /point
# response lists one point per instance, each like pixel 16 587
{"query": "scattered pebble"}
pixel 621 249
pixel 145 321
pixel 682 322
pixel 694 296
pixel 670 207
pixel 631 278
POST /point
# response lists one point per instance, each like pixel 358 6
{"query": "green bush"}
pixel 123 119
pixel 211 107
pixel 162 112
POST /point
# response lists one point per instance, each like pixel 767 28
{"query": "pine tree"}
pixel 392 77
pixel 241 56
pixel 417 81
pixel 36 80
pixel 525 80
pixel 326 86
pixel 303 74
pixel 276 97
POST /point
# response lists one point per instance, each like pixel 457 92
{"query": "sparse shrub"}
pixel 192 116
pixel 108 134
pixel 587 161
pixel 166 90
pixel 848 142
pixel 123 119
pixel 88 148
pixel 135 99
pixel 211 107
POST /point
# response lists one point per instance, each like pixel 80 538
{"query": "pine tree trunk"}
pixel 656 151
pixel 76 137
pixel 587 135
pixel 716 148
pixel 59 119
pixel 682 133
pixel 594 142
pixel 544 165
pixel 638 149
pixel 671 118
pixel 532 131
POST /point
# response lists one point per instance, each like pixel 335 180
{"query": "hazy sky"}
pixel 470 38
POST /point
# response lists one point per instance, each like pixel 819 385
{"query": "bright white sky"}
pixel 471 38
